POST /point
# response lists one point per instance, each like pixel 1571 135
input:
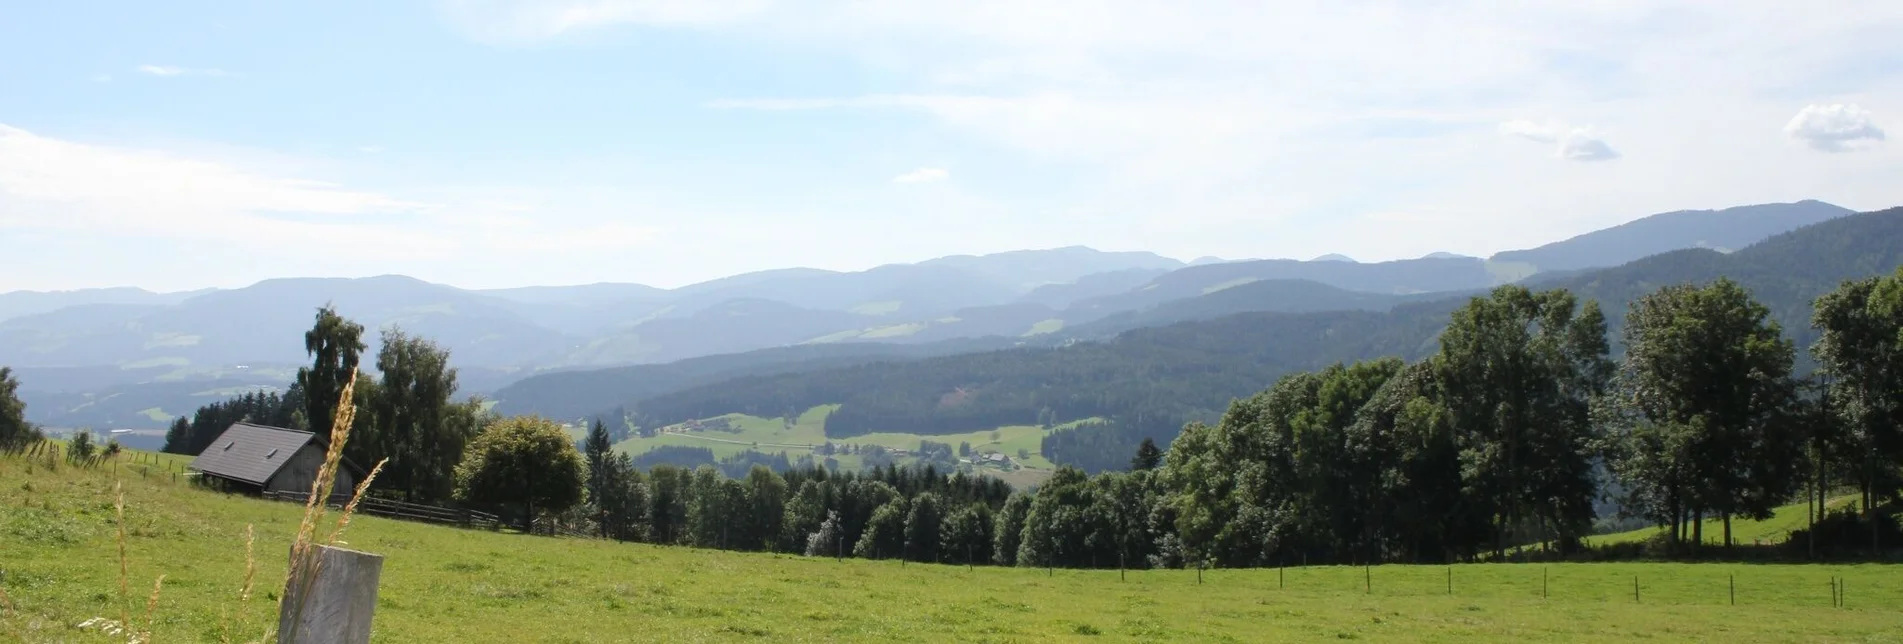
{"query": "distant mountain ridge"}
pixel 89 342
pixel 1723 230
pixel 22 303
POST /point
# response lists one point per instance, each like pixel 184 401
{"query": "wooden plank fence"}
pixel 391 508
pixel 555 527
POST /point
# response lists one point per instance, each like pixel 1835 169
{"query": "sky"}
pixel 497 143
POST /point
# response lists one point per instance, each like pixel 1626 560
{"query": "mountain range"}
pixel 125 357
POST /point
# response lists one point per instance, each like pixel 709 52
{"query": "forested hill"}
pixel 565 394
pixel 1727 229
pixel 1152 380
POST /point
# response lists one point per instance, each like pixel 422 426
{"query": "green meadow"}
pixel 731 434
pixel 59 567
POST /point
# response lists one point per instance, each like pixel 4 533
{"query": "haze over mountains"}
pixel 126 357
pixel 1147 382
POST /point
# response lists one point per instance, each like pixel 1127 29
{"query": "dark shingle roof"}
pixel 250 453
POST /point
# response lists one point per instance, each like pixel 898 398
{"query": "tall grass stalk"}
pixel 152 605
pixel 305 565
pixel 364 486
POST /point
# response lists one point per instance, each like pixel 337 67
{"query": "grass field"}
pixel 775 435
pixel 60 568
pixel 1776 529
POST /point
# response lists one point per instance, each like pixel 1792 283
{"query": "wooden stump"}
pixel 333 602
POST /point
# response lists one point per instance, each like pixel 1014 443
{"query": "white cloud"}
pixel 85 191
pixel 510 21
pixel 922 175
pixel 1571 144
pixel 1530 131
pixel 1580 145
pixel 1834 128
pixel 172 70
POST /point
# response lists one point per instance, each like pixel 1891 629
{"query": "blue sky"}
pixel 499 143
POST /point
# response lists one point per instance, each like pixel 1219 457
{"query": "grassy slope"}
pixel 1776 529
pixel 772 435
pixel 445 584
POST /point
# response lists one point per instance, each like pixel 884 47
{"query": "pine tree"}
pixel 1148 456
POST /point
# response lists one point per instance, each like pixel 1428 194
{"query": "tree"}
pixel 334 344
pixel 826 539
pixel 260 407
pixel 15 432
pixel 804 515
pixel 411 420
pixel 1710 408
pixel 178 436
pixel 1517 372
pixel 1861 352
pixel 922 525
pixel 667 503
pixel 765 508
pixel 80 449
pixel 1056 525
pixel 1148 456
pixel 1415 504
pixel 965 537
pixel 885 532
pixel 522 461
pixel 598 452
pixel 1007 535
pixel 706 508
pixel 619 496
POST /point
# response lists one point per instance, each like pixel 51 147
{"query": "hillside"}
pixel 1061 296
pixel 1277 295
pixel 577 393
pixel 1390 278
pixel 1152 380
pixel 1027 269
pixel 1722 230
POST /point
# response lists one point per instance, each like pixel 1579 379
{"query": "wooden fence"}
pixel 557 528
pixel 381 507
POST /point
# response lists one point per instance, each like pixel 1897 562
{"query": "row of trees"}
pixel 524 464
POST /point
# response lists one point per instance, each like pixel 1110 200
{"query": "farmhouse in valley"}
pixel 259 458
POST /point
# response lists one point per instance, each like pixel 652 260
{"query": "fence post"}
pixel 1635 589
pixel 1734 589
pixel 334 601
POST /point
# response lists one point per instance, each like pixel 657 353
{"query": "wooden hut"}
pixel 258 458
